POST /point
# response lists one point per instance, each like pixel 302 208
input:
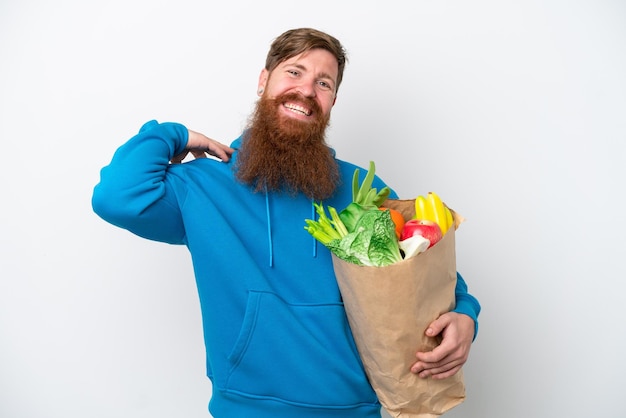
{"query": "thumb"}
pixel 437 326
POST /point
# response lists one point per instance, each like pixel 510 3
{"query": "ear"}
pixel 334 100
pixel 262 82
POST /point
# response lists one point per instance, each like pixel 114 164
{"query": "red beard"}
pixel 285 154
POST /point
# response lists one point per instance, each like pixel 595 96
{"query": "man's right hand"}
pixel 200 145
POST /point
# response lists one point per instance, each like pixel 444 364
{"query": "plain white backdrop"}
pixel 514 112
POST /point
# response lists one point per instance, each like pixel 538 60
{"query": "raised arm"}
pixel 135 190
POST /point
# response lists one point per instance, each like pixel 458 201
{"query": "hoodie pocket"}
pixel 301 354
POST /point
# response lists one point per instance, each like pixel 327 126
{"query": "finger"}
pixel 442 373
pixel 221 151
pixel 421 365
pixel 198 154
pixel 437 354
pixel 424 369
pixel 179 158
pixel 418 367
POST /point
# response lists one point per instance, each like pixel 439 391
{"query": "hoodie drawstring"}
pixel 314 218
pixel 269 228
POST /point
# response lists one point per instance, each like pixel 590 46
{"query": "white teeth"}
pixel 300 109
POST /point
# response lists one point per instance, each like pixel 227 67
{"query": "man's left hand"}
pixel 448 357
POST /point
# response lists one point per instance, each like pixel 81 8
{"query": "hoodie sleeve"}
pixel 133 192
pixel 466 303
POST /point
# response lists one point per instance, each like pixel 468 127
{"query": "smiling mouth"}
pixel 298 109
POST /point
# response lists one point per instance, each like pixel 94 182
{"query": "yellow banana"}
pixel 433 209
pixel 438 210
pixel 449 217
pixel 420 207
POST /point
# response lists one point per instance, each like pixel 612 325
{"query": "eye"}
pixel 325 85
pixel 294 73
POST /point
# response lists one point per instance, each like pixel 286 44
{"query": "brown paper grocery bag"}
pixel 388 309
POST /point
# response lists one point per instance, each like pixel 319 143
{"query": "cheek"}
pixel 276 87
pixel 327 105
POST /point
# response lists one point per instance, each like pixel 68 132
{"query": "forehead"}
pixel 317 61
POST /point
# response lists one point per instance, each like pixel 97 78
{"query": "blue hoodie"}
pixel 278 344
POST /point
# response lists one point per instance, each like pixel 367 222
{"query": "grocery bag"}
pixel 389 309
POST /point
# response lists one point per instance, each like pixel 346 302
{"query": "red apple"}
pixel 427 229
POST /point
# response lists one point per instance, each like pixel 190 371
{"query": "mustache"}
pixel 298 97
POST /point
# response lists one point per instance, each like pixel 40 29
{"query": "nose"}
pixel 307 88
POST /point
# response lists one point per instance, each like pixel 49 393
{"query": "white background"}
pixel 514 112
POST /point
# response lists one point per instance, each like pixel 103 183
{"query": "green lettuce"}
pixel 372 243
pixel 361 233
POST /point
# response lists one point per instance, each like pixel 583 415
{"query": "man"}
pixel 277 339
